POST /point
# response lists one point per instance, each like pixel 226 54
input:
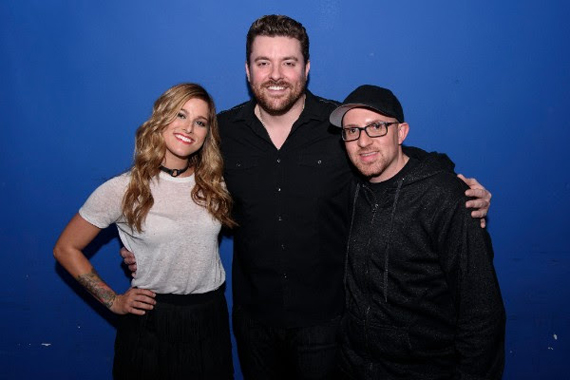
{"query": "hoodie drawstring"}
pixel 388 246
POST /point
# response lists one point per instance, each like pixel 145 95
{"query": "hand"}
pixel 482 200
pixel 129 260
pixel 134 301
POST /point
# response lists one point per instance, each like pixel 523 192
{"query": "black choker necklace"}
pixel 174 172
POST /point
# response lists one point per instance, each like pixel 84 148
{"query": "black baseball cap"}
pixel 377 99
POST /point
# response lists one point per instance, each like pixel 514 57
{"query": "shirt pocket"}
pixel 241 175
pixel 320 173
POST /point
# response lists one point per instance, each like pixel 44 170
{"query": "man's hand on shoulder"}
pixel 482 201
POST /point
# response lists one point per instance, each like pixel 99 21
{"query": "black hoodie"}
pixel 422 296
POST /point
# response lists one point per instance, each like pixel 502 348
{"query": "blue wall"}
pixel 486 82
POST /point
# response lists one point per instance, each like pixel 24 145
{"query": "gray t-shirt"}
pixel 177 251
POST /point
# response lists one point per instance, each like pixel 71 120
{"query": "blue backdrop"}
pixel 485 81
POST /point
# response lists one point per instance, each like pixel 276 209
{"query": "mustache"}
pixel 365 151
pixel 279 83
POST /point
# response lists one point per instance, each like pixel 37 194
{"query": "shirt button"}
pixel 278 160
pixel 280 219
pixel 283 247
pixel 285 275
pixel 278 189
pixel 319 162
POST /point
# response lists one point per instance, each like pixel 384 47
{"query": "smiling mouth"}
pixel 367 156
pixel 276 86
pixel 183 138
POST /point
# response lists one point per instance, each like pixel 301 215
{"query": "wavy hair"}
pixel 150 148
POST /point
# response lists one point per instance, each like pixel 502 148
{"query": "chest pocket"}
pixel 319 172
pixel 234 163
pixel 314 160
pixel 242 175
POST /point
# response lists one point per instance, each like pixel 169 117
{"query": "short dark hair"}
pixel 277 26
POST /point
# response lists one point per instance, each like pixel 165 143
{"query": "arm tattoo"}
pixel 95 285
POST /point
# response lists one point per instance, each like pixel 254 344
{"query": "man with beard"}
pixel 290 181
pixel 289 178
pixel 422 296
pixel 290 187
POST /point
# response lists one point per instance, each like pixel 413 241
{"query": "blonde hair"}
pixel 209 191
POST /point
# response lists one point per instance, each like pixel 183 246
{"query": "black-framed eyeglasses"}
pixel 376 129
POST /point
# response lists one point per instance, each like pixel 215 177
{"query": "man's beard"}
pixel 368 170
pixel 282 105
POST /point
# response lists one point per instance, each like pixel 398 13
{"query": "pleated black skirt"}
pixel 183 337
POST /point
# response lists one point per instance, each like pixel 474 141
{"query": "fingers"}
pixel 128 256
pixel 479 214
pixel 139 307
pixel 145 292
pixel 462 177
pixel 476 190
pixel 124 252
pixel 135 311
pixel 129 260
pixel 480 207
pixel 143 299
pixel 136 301
pixel 481 193
pixel 471 182
pixel 481 201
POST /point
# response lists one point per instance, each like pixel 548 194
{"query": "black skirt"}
pixel 183 337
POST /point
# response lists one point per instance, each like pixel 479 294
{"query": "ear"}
pixel 403 129
pixel 307 69
pixel 247 72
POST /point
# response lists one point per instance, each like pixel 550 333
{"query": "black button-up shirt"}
pixel 292 206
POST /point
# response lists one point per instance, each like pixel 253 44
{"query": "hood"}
pixel 429 164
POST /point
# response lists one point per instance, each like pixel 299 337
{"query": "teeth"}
pixel 276 88
pixel 184 138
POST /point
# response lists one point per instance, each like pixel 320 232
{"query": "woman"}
pixel 169 209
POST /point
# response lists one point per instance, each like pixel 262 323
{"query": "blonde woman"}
pixel 169 209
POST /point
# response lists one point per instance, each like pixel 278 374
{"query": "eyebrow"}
pixel 288 58
pixel 202 117
pixel 197 117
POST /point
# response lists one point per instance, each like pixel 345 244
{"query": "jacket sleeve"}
pixel 466 255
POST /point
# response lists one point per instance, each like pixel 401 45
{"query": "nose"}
pixel 363 139
pixel 275 73
pixel 188 128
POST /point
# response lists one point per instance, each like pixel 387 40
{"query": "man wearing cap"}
pixel 422 296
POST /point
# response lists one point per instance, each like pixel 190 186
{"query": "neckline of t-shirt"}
pixel 168 177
